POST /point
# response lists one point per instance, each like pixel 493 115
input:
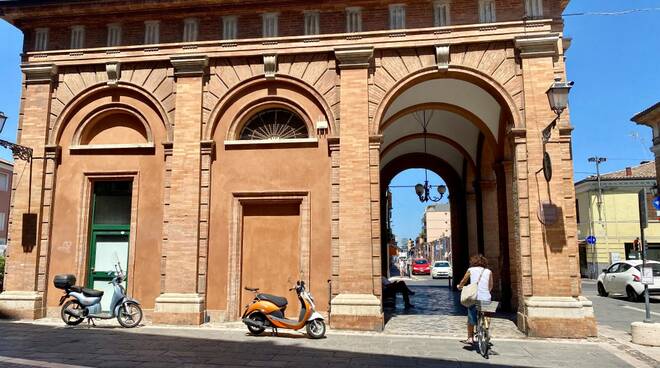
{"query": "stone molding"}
pixel 179 303
pixel 356 305
pixel 113 70
pixel 442 57
pixel 189 65
pixel 538 45
pixel 354 57
pixel 39 73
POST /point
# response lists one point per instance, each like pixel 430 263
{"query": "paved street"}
pixel 618 313
pixel 45 345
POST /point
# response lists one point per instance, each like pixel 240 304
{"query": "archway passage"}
pixel 454 128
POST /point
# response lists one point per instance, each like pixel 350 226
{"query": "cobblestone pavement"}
pixel 43 345
pixel 438 311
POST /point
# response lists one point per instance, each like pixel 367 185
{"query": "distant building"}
pixel 437 227
pixel 616 224
pixel 6 171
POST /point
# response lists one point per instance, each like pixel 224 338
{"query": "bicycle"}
pixel 482 332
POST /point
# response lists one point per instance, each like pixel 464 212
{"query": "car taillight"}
pixel 636 278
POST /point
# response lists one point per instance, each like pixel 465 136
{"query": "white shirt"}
pixel 483 291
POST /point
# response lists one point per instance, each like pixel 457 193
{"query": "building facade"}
pixel 437 230
pixel 200 143
pixel 612 216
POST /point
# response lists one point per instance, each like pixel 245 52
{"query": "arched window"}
pixel 274 124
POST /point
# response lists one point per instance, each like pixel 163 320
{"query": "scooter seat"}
pixel 92 292
pixel 277 300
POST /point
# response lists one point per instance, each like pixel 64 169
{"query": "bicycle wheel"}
pixel 484 336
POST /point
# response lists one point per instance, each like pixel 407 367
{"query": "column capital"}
pixel 538 45
pixel 207 148
pixel 189 65
pixel 375 141
pixel 354 57
pixel 39 73
pixel 333 144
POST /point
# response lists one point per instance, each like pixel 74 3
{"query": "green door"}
pixel 109 236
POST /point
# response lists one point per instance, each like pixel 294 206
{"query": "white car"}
pixel 441 269
pixel 625 279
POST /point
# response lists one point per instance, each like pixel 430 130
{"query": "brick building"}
pixel 213 145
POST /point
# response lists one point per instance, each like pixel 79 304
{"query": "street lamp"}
pixel 423 191
pixel 21 152
pixel 558 98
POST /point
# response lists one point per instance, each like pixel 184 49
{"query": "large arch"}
pixel 470 113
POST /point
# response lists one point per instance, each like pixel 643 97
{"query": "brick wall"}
pixel 375 17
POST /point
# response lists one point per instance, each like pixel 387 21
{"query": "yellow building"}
pixel 614 222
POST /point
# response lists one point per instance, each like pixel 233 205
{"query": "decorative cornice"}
pixel 442 57
pixel 189 65
pixel 39 73
pixel 53 152
pixel 354 57
pixel 113 70
pixel 538 45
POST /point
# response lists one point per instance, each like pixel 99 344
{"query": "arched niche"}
pixel 113 126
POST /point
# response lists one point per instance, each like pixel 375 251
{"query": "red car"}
pixel 421 267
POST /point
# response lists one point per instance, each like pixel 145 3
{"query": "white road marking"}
pixel 38 363
pixel 640 310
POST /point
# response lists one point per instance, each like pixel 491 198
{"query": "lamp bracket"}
pixel 21 152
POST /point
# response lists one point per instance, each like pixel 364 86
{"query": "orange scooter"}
pixel 267 310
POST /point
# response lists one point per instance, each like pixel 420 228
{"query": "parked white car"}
pixel 624 279
pixel 441 269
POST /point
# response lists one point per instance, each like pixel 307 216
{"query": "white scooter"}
pixel 86 303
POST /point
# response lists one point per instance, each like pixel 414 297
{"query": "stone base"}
pixel 356 312
pixel 179 309
pixel 565 317
pixel 645 333
pixel 21 305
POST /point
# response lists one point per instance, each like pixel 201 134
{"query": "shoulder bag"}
pixel 469 292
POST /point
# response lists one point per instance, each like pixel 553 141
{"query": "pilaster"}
pixel 27 262
pixel 548 262
pixel 356 306
pixel 184 262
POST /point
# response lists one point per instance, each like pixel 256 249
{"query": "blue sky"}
pixel 614 61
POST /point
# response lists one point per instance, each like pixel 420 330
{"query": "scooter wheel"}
pixel 316 329
pixel 130 315
pixel 256 330
pixel 69 319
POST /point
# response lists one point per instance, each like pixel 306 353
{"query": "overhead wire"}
pixel 613 13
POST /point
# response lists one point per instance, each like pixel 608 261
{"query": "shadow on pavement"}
pixel 82 346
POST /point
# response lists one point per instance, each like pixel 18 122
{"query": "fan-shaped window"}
pixel 274 124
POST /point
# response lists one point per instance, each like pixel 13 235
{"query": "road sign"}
pixel 656 203
pixel 591 240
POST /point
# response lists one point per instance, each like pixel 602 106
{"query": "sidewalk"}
pixel 47 345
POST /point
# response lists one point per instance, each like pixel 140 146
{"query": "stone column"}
pixel 355 306
pixel 553 309
pixel 471 211
pixel 181 301
pixel 25 270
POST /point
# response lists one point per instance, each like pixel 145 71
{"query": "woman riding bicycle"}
pixel 478 272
